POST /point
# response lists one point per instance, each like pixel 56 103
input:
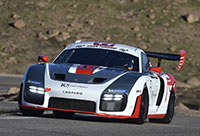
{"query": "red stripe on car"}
pixel 137 108
pixel 160 116
pixel 85 69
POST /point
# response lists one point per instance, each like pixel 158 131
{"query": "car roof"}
pixel 108 46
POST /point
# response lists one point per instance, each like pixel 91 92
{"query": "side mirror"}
pixel 43 59
pixel 156 69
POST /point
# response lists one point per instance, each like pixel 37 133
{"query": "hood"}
pixel 83 73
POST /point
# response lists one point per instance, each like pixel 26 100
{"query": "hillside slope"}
pixel 29 28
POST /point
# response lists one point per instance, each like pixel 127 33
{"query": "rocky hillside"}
pixel 29 28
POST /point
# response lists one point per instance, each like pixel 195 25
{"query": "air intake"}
pixel 59 76
pixel 98 80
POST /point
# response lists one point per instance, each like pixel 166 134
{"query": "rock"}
pixel 62 36
pixel 191 18
pixel 165 11
pixel 135 1
pixel 153 22
pixel 172 49
pixel 42 36
pixel 122 1
pixel 15 16
pixel 28 3
pixel 41 23
pixel 182 85
pixel 107 38
pixel 181 106
pixel 53 33
pixel 136 29
pixel 181 1
pixel 71 24
pixel 193 81
pixel 151 16
pixel 1 3
pixel 13 90
pixel 69 16
pixel 11 60
pixel 183 109
pixel 143 46
pixel 166 24
pixel 42 4
pixel 139 35
pixel 151 10
pixel 90 22
pixel 19 24
pixel 74 6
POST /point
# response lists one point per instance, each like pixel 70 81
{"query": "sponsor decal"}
pixel 67 85
pixel 118 90
pixel 80 46
pixel 64 85
pixel 72 92
pixel 138 91
pixel 34 82
pixel 123 50
pixel 103 44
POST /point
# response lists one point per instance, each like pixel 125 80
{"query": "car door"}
pixel 154 80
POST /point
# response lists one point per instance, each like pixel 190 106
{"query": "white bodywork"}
pixel 93 92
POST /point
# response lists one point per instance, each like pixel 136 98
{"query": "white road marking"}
pixel 15 117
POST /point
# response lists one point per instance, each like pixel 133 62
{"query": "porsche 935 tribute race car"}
pixel 104 79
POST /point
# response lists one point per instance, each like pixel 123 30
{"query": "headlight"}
pixel 113 102
pixel 116 97
pixel 38 90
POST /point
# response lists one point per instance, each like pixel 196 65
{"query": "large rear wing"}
pixel 174 57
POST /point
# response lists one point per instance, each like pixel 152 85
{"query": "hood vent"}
pixel 98 80
pixel 59 76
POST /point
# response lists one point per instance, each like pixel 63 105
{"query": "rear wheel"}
pixel 170 111
pixel 143 108
pixel 63 114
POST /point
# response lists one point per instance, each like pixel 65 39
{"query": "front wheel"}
pixel 143 108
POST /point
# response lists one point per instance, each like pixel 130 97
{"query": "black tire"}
pixel 170 111
pixel 31 112
pixel 143 108
pixel 63 114
pixel 20 94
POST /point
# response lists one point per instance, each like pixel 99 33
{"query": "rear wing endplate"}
pixel 174 57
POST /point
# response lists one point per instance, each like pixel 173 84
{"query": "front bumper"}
pixel 135 113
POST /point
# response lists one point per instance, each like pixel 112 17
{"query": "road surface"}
pixel 7 81
pixel 82 125
pixel 14 124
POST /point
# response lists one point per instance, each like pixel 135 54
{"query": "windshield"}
pixel 99 57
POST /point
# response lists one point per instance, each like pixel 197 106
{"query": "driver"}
pixel 130 65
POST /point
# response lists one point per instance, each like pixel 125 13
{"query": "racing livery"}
pixel 104 79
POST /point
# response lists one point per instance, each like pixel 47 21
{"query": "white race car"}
pixel 104 79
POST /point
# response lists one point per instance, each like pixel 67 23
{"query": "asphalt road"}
pixel 82 125
pixel 7 81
